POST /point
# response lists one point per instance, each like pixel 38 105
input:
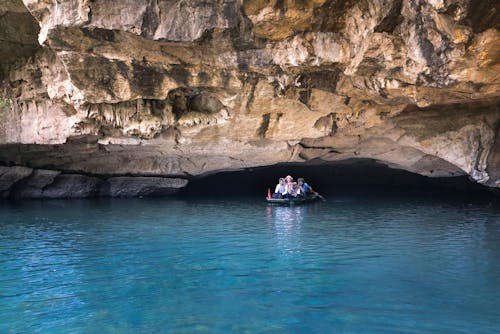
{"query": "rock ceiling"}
pixel 182 87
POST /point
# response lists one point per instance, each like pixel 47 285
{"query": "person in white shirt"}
pixel 280 189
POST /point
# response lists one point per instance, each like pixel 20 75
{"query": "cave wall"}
pixel 184 88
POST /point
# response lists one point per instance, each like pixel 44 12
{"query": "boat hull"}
pixel 292 201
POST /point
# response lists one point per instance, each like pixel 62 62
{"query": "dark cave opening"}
pixel 359 176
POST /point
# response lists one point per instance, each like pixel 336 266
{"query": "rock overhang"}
pixel 248 84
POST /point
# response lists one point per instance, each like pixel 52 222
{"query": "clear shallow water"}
pixel 369 264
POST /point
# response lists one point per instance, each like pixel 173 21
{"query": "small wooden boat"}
pixel 293 200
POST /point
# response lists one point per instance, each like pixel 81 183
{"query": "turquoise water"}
pixel 355 264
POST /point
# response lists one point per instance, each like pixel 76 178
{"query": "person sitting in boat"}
pixel 280 189
pixel 296 190
pixel 305 189
pixel 290 191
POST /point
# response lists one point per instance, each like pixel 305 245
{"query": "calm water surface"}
pixel 355 264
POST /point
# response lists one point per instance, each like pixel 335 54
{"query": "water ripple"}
pixel 215 266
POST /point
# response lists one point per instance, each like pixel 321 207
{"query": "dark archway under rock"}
pixel 328 178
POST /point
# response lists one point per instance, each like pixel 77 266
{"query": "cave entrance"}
pixel 348 176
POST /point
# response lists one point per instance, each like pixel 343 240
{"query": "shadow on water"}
pixel 359 177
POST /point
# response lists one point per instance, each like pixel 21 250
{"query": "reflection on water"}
pixel 287 222
pixel 352 265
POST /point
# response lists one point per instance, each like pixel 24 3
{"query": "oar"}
pixel 322 198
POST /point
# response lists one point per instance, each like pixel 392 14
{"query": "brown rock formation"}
pixel 182 87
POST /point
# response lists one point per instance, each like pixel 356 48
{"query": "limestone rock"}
pixel 188 88
pixel 34 185
pixel 73 186
pixel 23 182
pixel 18 34
pixel 142 186
pixel 10 175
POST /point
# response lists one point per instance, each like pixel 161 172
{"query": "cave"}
pixel 208 91
pixel 352 176
pixel 139 141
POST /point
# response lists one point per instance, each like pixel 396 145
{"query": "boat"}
pixel 293 200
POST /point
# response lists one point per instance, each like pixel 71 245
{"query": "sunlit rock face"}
pixel 181 88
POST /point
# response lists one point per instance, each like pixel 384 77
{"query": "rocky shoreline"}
pixel 24 182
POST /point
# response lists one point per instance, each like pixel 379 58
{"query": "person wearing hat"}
pixel 289 187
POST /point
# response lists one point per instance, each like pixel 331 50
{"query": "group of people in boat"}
pixel 287 188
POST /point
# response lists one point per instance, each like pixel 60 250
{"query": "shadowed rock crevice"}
pixel 392 20
pixel 151 19
pixel 335 18
pixel 98 34
pixel 264 126
pixel 18 34
pixel 192 106
pixel 482 15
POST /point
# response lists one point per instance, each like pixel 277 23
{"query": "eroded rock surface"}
pixel 9 176
pixel 23 182
pixel 142 186
pixel 185 88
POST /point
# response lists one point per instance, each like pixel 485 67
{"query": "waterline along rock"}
pixel 96 93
